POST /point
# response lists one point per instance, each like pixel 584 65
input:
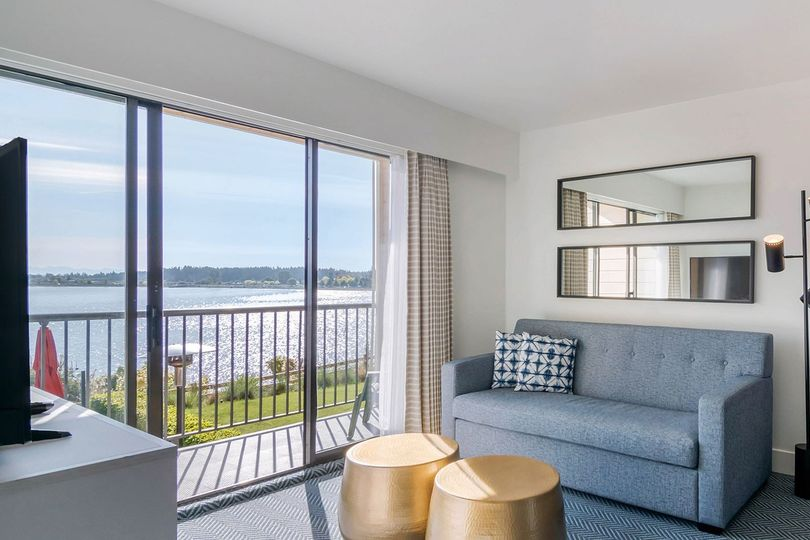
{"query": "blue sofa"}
pixel 674 420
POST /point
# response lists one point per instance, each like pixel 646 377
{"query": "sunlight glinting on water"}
pixel 347 331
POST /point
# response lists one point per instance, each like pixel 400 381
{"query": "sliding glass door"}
pixel 347 377
pixel 202 279
pixel 76 235
pixel 233 252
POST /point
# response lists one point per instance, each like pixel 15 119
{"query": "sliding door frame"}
pixel 154 271
pixel 131 264
pixel 154 266
pixel 311 454
pixel 153 103
pixel 311 304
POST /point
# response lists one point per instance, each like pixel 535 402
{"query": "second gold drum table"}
pixel 387 483
pixel 504 497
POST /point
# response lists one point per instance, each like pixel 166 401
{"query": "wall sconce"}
pixel 775 252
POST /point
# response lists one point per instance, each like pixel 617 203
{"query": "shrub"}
pixel 192 424
pixel 98 403
pixel 208 436
pixel 344 377
pixel 277 390
pixel 73 389
pixel 279 364
pixel 224 393
pixel 327 380
pixel 347 377
pixel 192 393
pixel 239 390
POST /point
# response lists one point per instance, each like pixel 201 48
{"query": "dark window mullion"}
pixel 154 271
pixel 131 264
pixel 310 302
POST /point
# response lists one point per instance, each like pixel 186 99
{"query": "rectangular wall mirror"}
pixel 695 271
pixel 720 189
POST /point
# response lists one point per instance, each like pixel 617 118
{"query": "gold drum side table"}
pixel 387 483
pixel 505 497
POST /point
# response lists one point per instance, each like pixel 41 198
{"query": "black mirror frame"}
pixel 751 280
pixel 751 215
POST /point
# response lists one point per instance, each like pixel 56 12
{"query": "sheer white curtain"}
pixel 392 297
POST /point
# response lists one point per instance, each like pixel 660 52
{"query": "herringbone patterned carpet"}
pixel 304 505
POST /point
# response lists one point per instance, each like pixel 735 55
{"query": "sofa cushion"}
pixel 546 364
pixel 504 375
pixel 634 430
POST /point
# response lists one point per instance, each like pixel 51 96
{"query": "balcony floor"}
pixel 223 464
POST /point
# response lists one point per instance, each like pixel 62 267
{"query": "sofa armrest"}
pixel 735 425
pixel 463 376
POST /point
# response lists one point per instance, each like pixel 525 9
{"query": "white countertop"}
pixel 98 443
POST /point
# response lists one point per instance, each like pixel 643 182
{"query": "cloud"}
pixel 58 146
pixel 75 173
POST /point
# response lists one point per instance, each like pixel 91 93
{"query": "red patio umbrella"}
pixel 53 383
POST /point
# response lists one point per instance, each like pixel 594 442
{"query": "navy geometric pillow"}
pixel 546 364
pixel 506 359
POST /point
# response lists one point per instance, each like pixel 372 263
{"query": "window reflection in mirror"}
pixel 702 271
pixel 709 190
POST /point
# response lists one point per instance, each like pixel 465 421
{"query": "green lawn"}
pixel 296 403
pixel 288 410
pixel 284 409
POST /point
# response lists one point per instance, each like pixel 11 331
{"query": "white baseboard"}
pixel 783 461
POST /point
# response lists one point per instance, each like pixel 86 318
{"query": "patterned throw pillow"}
pixel 506 359
pixel 546 364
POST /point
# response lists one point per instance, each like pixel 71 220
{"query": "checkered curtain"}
pixel 575 261
pixel 674 285
pixel 429 291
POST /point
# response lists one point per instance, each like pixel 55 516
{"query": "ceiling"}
pixel 711 174
pixel 525 64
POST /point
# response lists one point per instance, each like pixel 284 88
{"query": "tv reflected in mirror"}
pixel 715 190
pixel 690 271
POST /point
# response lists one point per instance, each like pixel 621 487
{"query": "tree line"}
pixel 252 276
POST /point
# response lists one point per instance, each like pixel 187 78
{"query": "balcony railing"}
pixel 223 367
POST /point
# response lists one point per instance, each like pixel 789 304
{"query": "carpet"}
pixel 304 505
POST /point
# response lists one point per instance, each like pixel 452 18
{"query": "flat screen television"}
pixel 15 378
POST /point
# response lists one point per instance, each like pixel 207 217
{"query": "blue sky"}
pixel 231 197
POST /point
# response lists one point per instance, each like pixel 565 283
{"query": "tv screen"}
pixel 15 408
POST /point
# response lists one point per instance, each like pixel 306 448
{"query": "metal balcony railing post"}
pixel 284 370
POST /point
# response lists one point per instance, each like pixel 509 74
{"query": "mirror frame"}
pixel 751 215
pixel 751 280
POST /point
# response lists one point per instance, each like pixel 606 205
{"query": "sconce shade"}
pixel 775 252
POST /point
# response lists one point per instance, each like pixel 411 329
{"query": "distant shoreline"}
pixel 201 286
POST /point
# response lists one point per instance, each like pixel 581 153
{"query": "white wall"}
pixel 151 43
pixel 772 123
pixel 723 200
pixel 477 230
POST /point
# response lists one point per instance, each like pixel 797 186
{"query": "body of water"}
pixel 43 300
pixel 233 344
